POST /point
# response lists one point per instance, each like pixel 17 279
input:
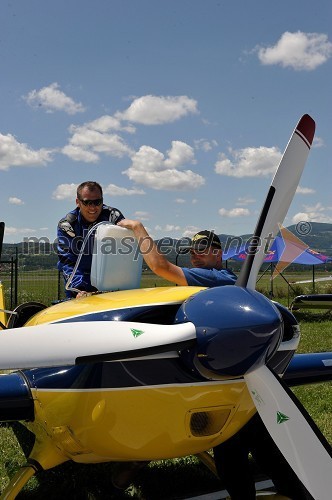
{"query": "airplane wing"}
pixel 309 368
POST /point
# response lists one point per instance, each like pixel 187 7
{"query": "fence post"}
pixel 16 277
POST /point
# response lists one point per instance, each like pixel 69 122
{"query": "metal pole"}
pixel 313 278
pixel 271 281
pixel 11 281
pixel 16 277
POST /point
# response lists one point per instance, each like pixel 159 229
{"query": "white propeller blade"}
pixel 293 431
pixel 60 344
pixel 279 197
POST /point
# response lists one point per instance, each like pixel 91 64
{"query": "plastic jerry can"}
pixel 116 259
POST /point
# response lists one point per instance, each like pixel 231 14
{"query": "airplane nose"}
pixel 237 330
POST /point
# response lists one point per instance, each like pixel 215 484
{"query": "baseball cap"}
pixel 205 239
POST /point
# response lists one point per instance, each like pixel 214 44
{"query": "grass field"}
pixel 172 478
pixel 46 286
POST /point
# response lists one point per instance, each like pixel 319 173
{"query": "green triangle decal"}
pixel 281 418
pixel 136 333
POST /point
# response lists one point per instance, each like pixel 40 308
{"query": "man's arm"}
pixel 154 259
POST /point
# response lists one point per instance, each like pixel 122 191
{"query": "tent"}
pixel 307 256
pixel 285 250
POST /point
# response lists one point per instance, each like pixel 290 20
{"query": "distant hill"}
pixel 319 238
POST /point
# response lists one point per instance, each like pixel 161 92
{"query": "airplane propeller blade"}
pixel 294 432
pixel 278 199
pixel 61 344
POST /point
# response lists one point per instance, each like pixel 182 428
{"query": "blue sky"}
pixel 181 109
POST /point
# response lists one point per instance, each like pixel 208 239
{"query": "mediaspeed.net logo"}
pixel 293 248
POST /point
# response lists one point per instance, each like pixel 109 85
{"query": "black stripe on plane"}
pixel 135 353
pixel 247 265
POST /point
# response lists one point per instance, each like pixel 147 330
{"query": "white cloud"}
pixel 78 153
pixel 300 51
pixel 88 141
pixel 142 215
pixel 27 231
pixel 100 136
pixel 104 123
pixel 245 201
pixel 179 154
pixel 12 200
pixel 52 99
pixel 65 192
pixel 171 227
pixel 68 191
pixel 314 208
pixel 234 212
pixel 150 168
pixel 189 231
pixel 305 190
pixel 301 217
pixel 167 228
pixel 16 154
pixel 249 162
pixel 155 110
pixel 180 201
pixel 100 142
pixel 318 142
pixel 114 190
pixel 205 145
pixel 316 213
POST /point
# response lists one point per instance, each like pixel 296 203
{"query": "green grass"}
pixel 44 285
pixel 168 479
pixel 316 336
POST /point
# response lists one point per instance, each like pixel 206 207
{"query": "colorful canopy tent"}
pixel 285 250
pixel 307 256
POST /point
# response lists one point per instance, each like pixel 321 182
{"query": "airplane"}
pixel 160 373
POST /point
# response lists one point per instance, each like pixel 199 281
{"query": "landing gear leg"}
pixel 17 483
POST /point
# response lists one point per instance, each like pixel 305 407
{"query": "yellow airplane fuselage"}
pixel 142 422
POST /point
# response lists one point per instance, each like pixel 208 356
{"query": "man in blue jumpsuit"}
pixel 72 230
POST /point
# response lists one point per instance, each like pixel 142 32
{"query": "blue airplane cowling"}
pixel 237 330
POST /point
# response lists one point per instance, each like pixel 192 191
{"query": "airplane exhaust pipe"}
pixel 16 402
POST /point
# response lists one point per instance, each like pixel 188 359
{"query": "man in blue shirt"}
pixel 72 230
pixel 205 254
pixel 231 457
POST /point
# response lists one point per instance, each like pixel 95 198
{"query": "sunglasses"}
pixel 89 203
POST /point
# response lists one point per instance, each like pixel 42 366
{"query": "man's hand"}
pixel 82 294
pixel 129 224
pixel 154 259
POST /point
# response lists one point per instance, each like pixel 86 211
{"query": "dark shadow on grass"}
pixel 163 480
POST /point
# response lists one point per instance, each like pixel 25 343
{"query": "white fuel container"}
pixel 116 259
